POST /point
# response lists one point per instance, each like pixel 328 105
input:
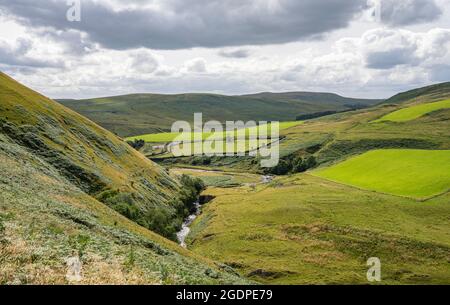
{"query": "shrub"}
pixel 293 164
pixel 137 144
pixel 164 220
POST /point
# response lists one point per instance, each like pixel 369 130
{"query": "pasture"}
pixel 402 172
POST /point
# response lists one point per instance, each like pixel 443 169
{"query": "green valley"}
pixel 224 148
pixel 348 186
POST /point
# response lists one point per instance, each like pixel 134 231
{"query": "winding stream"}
pixel 185 230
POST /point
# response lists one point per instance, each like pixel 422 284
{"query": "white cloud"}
pixel 387 48
pixel 196 65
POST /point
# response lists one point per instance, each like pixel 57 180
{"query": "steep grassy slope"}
pixel 55 166
pixel 307 230
pixel 139 114
pixel 45 220
pixel 403 172
pixel 92 158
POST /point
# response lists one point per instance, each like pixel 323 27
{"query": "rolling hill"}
pixel 64 183
pixel 431 93
pixel 336 137
pixel 138 114
pixel 378 189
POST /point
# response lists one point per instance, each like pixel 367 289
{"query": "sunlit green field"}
pixel 171 136
pixel 308 230
pixel 412 173
pixel 414 112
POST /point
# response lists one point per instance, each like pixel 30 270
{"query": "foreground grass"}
pixel 62 179
pixel 307 230
pixel 414 112
pixel 44 220
pixel 404 172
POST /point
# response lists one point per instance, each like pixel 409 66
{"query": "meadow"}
pixel 414 112
pixel 403 172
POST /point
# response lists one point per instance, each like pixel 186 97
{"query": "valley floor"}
pixel 302 229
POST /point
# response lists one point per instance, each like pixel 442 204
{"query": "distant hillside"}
pixel 337 136
pixel 431 93
pixel 62 178
pixel 138 114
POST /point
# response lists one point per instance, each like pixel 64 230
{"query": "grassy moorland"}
pixel 94 159
pixel 45 220
pixel 140 114
pixel 403 172
pixel 64 183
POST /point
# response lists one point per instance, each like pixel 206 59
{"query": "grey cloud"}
pixel 196 65
pixel 388 48
pixel 16 55
pixel 237 53
pixel 408 12
pixel 440 73
pixel 180 24
pixel 389 59
pixel 72 40
pixel 144 62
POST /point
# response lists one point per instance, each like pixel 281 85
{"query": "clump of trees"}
pixel 164 220
pixel 204 160
pixel 136 144
pixel 292 165
pixel 314 115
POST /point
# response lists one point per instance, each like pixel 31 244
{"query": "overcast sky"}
pixel 351 47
